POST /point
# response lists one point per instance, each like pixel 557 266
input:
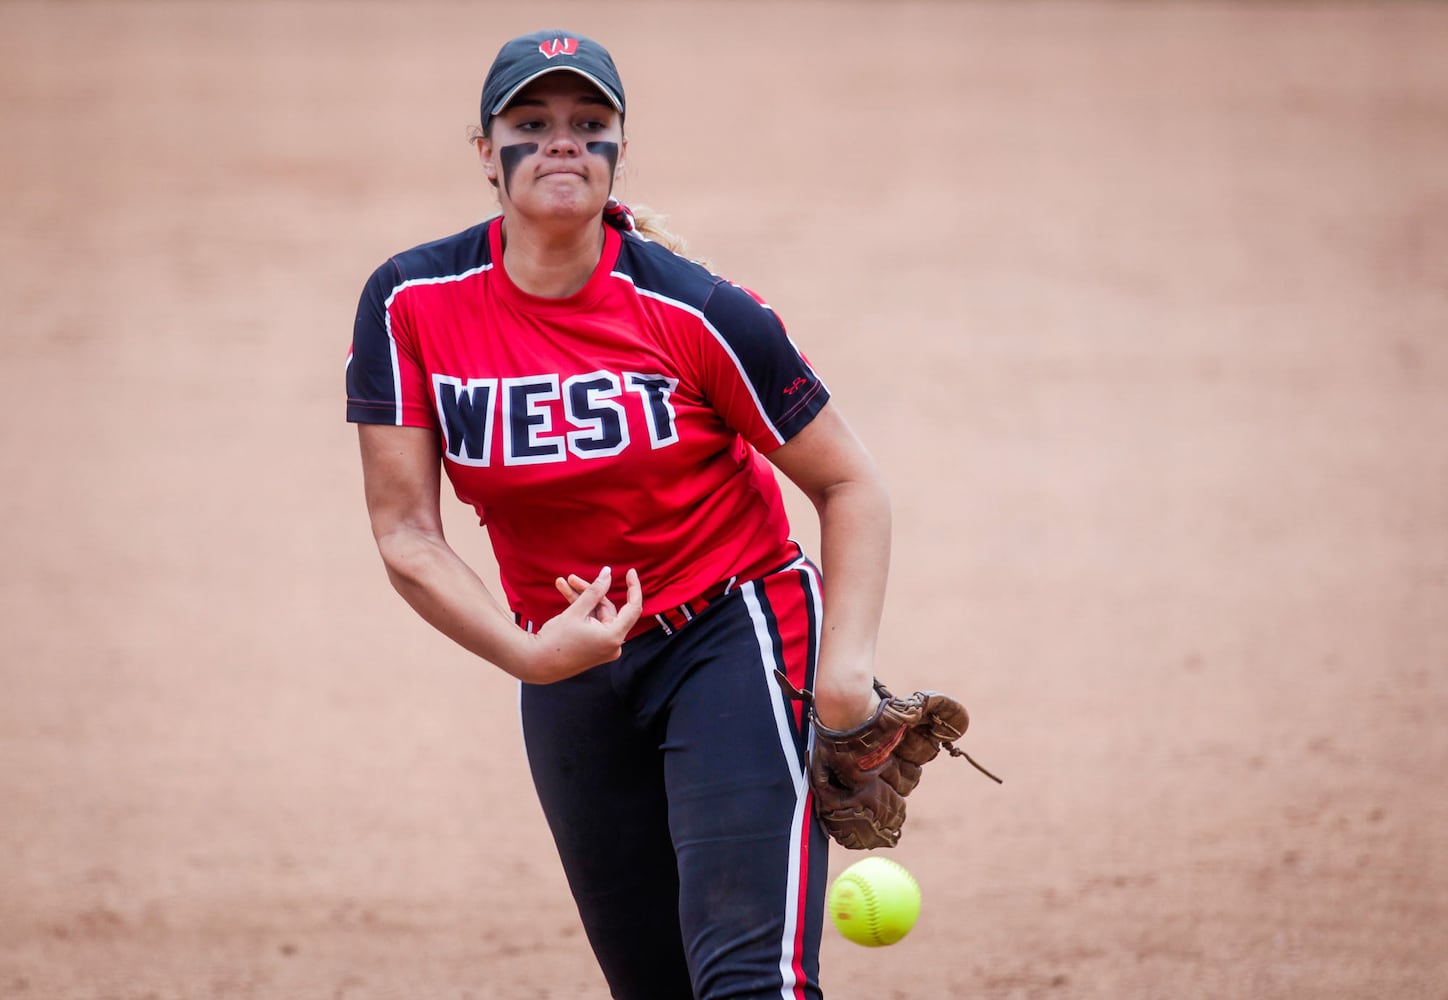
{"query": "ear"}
pixel 487 159
pixel 622 155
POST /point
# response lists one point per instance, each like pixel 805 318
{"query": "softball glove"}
pixel 861 776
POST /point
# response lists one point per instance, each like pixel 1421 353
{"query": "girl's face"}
pixel 555 150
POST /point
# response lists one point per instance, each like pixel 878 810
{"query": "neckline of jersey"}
pixel 580 300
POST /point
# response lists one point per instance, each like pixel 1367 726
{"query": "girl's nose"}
pixel 561 143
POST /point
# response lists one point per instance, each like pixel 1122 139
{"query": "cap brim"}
pixel 507 98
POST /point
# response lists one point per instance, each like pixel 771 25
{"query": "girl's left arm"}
pixel 833 469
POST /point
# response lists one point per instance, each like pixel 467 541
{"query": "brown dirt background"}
pixel 1142 306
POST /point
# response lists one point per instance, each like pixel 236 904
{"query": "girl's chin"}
pixel 563 205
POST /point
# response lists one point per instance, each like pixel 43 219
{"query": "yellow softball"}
pixel 874 902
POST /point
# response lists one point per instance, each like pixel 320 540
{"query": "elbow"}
pixel 405 558
pixel 865 494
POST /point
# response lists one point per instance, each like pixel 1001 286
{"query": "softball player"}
pixel 611 410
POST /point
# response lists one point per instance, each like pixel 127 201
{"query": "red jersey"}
pixel 623 425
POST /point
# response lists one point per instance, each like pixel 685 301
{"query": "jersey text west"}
pixel 594 422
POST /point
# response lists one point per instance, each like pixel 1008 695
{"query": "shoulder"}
pixel 449 258
pixel 658 273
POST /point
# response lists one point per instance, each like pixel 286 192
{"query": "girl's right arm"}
pixel 402 477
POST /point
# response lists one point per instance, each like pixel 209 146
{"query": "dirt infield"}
pixel 1142 307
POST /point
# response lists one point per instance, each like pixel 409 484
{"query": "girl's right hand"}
pixel 590 631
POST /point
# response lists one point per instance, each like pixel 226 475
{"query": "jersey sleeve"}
pixel 754 375
pixel 385 382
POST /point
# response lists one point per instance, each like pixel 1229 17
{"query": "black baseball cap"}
pixel 527 57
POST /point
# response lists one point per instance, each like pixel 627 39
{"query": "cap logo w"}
pixel 558 47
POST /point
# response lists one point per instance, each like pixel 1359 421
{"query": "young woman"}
pixel 611 410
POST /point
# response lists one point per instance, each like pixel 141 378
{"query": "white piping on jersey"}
pixel 387 322
pixel 743 375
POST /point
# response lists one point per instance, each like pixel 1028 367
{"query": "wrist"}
pixel 844 709
pixel 522 656
pixel 844 688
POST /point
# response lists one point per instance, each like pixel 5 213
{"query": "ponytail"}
pixel 645 222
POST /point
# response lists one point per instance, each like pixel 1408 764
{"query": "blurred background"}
pixel 1142 308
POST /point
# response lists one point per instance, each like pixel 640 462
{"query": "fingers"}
pixel 590 599
pixel 574 587
pixel 633 606
pixel 594 593
pixel 571 586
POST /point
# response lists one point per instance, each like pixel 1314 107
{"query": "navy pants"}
pixel 674 782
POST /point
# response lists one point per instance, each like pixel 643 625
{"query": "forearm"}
pixel 855 557
pixel 452 598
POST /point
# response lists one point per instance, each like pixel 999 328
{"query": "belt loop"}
pixel 670 620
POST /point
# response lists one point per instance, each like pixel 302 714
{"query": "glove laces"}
pixel 795 694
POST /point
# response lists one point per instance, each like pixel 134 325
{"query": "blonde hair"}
pixel 650 225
